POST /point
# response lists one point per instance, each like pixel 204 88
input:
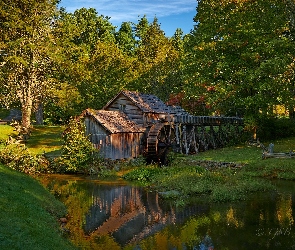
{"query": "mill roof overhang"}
pixel 113 121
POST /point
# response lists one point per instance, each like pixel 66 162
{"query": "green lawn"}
pixel 6 131
pixel 29 214
pixel 45 139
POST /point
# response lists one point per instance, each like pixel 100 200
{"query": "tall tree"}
pixel 125 38
pixel 80 34
pixel 237 54
pixel 26 44
pixel 156 60
pixel 141 28
pixel 108 70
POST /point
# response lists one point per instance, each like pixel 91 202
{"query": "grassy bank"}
pixel 29 214
pixel 222 175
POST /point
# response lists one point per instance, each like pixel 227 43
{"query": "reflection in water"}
pixel 119 216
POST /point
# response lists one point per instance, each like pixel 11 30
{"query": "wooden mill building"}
pixel 133 124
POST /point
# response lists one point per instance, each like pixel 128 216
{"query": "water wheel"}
pixel 161 138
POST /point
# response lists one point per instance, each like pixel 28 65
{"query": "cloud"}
pixel 130 10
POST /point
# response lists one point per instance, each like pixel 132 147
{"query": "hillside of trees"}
pixel 238 60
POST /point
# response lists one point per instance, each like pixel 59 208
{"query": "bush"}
pixel 18 157
pixel 78 153
pixel 143 174
pixel 275 128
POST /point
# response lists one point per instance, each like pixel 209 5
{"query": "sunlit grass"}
pixel 188 179
pixel 6 131
pixel 45 139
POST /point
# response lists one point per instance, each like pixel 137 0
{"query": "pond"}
pixel 116 215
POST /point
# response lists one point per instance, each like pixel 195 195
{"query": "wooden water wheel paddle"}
pixel 161 138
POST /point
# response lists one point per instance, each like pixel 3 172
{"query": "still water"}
pixel 115 215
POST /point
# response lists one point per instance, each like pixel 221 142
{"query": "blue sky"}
pixel 171 14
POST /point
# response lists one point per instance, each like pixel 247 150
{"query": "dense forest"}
pixel 238 60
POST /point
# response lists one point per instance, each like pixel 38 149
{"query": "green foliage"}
pixel 157 63
pixel 87 64
pixel 143 175
pixel 29 158
pixel 272 169
pixel 78 153
pixel 17 157
pixel 237 56
pixel 107 174
pixel 3 113
pixel 180 182
pixel 126 39
pixel 26 45
pixel 275 128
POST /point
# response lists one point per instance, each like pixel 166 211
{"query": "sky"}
pixel 171 14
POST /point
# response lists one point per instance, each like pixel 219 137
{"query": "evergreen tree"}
pixel 125 38
pixel 156 61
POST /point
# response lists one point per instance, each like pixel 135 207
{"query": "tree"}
pixel 125 38
pixel 109 71
pixel 141 28
pixel 237 54
pixel 157 61
pixel 26 44
pixel 81 36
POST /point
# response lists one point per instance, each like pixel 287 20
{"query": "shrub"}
pixel 275 128
pixel 18 157
pixel 78 153
pixel 143 174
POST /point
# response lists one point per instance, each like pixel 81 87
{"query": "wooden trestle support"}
pixel 191 134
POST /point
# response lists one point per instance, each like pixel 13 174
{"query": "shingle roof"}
pixel 149 103
pixel 114 121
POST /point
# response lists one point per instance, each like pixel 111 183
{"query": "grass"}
pixel 29 214
pixel 6 131
pixel 187 177
pixel 45 139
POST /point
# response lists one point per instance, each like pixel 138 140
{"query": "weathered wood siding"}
pixel 123 104
pixel 124 146
pixel 114 146
pixel 97 134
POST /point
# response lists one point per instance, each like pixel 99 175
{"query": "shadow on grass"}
pixel 45 139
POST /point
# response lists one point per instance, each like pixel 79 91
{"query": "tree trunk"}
pixel 27 106
pixel 39 114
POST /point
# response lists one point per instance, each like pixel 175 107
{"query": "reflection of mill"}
pixel 129 214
